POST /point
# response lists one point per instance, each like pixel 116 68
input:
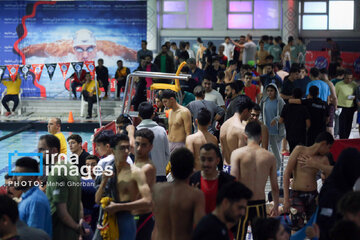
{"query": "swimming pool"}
pixel 27 142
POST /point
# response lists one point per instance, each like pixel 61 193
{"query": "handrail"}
pixel 149 75
pixel 168 74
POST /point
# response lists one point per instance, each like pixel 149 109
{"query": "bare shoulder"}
pixel 184 110
pixel 240 151
pixel 149 167
pixel 213 139
pixel 159 188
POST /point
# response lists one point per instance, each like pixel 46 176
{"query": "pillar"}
pixel 151 32
pixel 290 19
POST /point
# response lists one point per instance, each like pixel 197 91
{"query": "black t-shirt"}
pixel 266 79
pixel 82 157
pixel 295 116
pixel 287 87
pixel 210 228
pixel 318 110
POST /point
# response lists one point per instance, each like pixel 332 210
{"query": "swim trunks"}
pixel 303 206
pixel 145 225
pixel 255 209
pixel 175 145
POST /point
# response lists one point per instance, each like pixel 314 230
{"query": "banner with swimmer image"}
pixel 66 32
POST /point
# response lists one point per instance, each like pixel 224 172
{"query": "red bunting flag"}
pixel 90 65
pixel 13 70
pixel 37 69
pixel 64 68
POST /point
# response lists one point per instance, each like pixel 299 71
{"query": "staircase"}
pixel 42 109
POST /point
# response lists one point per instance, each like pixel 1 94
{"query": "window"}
pixel 327 15
pixel 186 14
pixel 253 14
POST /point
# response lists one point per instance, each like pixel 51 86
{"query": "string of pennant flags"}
pixel 51 67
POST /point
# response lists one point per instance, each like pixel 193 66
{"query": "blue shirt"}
pixel 34 210
pixel 324 90
pixel 270 114
pixel 302 84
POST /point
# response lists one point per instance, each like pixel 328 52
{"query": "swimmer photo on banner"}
pixel 71 31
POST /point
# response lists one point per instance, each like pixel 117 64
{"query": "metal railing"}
pixel 157 75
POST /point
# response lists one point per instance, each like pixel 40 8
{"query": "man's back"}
pixel 318 111
pixel 253 166
pixel 324 89
pixel 195 141
pixel 177 208
pixel 295 116
pixel 232 136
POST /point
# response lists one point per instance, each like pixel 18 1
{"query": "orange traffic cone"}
pixel 71 117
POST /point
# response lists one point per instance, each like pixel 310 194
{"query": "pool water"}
pixel 26 142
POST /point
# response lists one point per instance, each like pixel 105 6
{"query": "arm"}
pixel 265 137
pixel 295 101
pixel 199 210
pixel 323 166
pixel 274 187
pixel 235 162
pixel 281 120
pixel 289 169
pixel 131 133
pixel 187 122
pixel 219 112
pixel 143 203
pixel 188 144
pixel 65 217
pixel 237 44
pixel 308 124
pixel 285 96
pixel 99 193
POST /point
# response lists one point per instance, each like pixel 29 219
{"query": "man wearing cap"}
pixel 83 45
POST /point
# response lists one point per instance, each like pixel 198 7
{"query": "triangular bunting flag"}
pixel 2 71
pixel 13 70
pixel 90 65
pixel 25 70
pixel 37 69
pixel 51 69
pixel 64 68
pixel 77 68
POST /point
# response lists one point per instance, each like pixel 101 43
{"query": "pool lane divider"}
pixel 13 133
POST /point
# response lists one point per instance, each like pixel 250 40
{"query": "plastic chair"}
pixel 174 87
pixel 11 103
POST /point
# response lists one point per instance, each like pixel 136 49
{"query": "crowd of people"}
pixel 201 172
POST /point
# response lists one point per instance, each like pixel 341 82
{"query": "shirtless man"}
pixel 143 144
pixel 178 207
pixel 124 188
pixel 304 186
pixel 179 121
pixel 254 116
pixel 252 165
pixel 232 131
pixel 196 140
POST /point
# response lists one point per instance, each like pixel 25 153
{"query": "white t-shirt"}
pixel 108 160
pixel 215 96
pixel 229 50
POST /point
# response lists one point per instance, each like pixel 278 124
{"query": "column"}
pixel 290 19
pixel 151 32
